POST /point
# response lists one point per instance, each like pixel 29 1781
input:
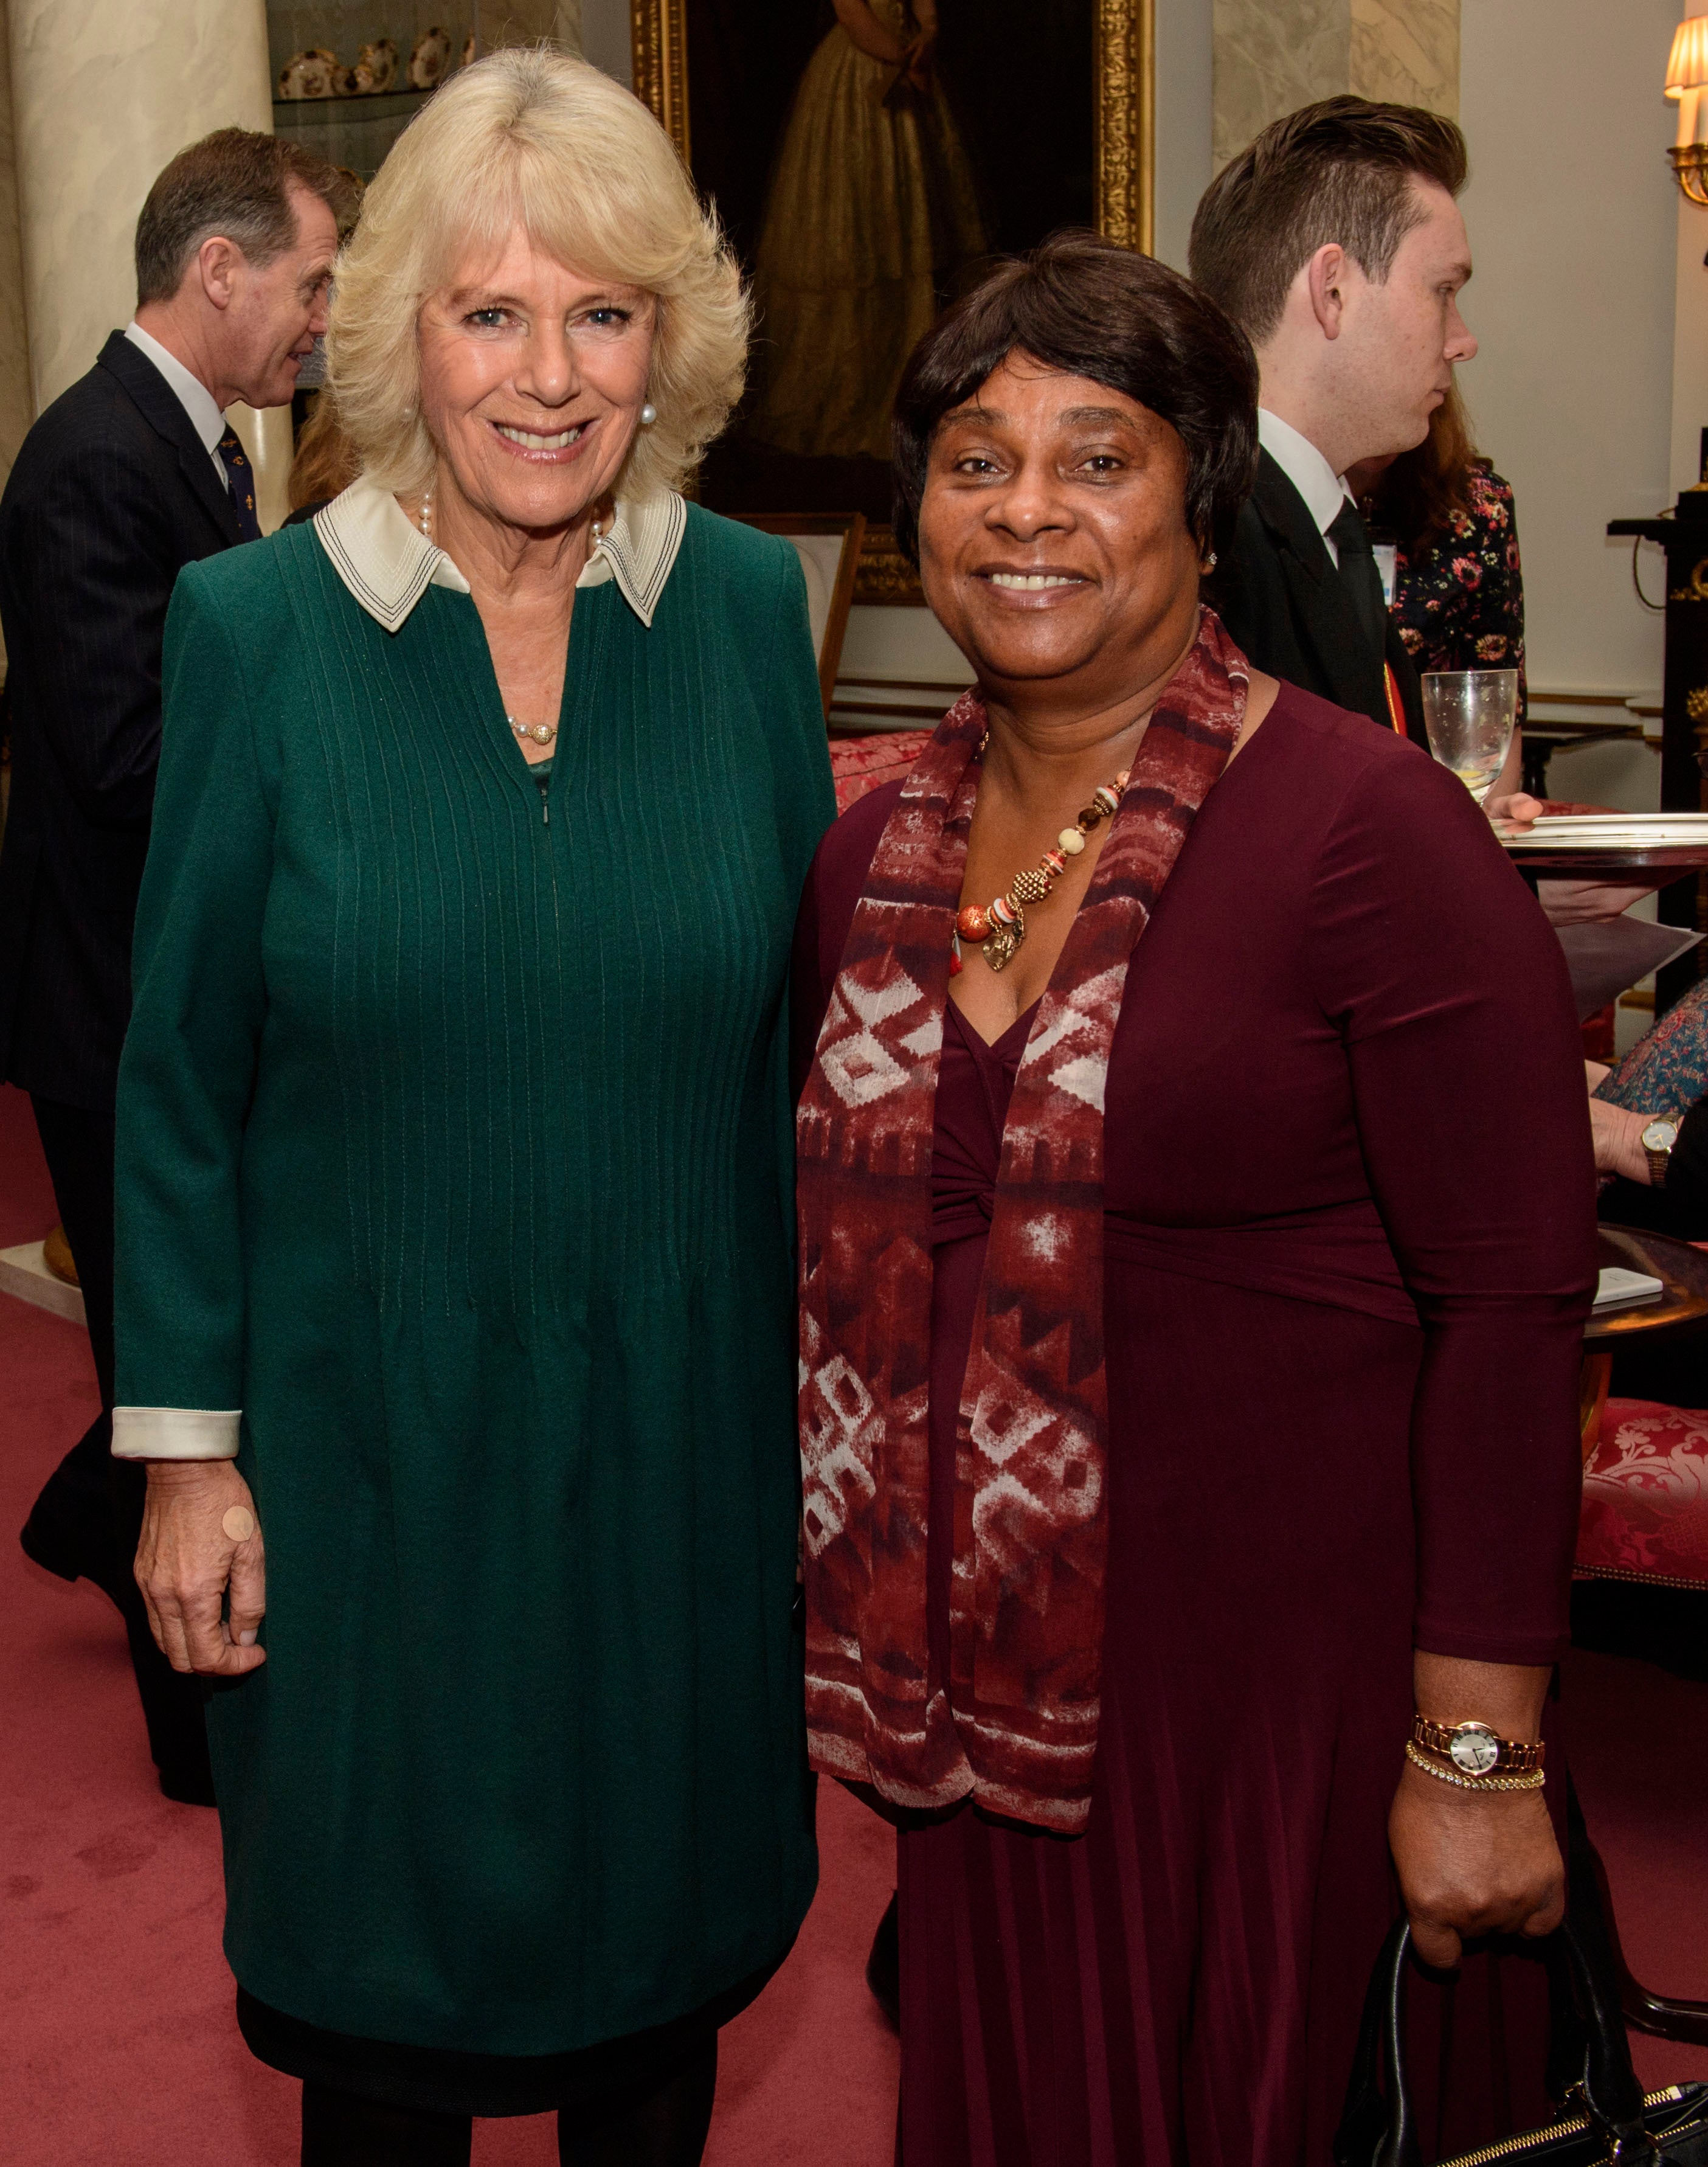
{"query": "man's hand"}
pixel 186 1559
pixel 1512 813
pixel 1564 902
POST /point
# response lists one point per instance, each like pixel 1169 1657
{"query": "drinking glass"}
pixel 1469 715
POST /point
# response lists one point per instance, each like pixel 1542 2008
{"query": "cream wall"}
pixel 16 412
pixel 1574 220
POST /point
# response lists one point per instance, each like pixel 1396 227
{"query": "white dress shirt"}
pixel 1323 489
pixel 191 395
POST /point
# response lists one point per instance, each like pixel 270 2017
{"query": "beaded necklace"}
pixel 998 929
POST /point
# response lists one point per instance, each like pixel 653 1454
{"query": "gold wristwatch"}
pixel 1474 1749
pixel 1658 1140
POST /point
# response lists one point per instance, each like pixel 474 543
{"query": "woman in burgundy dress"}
pixel 1192 1281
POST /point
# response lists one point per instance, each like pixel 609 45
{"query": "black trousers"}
pixel 661 2124
pixel 88 1517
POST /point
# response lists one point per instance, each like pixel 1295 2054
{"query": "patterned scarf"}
pixel 1016 1722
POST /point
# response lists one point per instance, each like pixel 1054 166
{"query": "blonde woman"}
pixel 454 1177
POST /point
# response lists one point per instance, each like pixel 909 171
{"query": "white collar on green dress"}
pixel 387 564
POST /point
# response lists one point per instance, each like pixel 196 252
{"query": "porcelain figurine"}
pixel 375 70
pixel 430 61
pixel 311 74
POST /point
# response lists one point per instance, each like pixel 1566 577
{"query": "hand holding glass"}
pixel 1469 715
pixel 1470 719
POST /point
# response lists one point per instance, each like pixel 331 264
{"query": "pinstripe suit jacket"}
pixel 112 493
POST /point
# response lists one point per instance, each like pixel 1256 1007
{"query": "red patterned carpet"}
pixel 117 2039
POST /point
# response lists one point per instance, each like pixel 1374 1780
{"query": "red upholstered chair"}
pixel 1645 1519
pixel 858 764
pixel 1645 1512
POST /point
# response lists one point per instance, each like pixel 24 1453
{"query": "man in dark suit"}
pixel 1336 242
pixel 129 476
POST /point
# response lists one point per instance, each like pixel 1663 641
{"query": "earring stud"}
pixel 650 414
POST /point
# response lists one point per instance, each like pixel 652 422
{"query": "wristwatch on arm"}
pixel 1658 1139
pixel 1476 1757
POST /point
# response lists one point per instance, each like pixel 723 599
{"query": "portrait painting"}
pixel 870 160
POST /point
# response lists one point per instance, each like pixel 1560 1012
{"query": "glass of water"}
pixel 1469 715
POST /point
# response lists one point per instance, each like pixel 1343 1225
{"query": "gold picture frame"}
pixel 1124 139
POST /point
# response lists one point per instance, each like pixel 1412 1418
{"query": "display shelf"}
pixel 356 132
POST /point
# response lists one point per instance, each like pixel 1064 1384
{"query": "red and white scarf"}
pixel 1015 1725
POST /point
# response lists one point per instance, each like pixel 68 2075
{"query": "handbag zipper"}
pixel 1575 2127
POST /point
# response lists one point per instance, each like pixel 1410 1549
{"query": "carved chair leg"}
pixel 1683 2022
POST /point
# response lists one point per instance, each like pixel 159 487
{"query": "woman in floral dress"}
pixel 1458 589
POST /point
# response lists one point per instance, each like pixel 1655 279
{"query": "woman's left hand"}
pixel 1471 1863
pixel 1618 1135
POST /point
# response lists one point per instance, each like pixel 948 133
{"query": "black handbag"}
pixel 1605 2122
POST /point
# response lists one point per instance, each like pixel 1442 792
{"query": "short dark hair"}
pixel 1339 171
pixel 236 183
pixel 1089 308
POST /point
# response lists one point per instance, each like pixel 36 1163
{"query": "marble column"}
pixel 1271 56
pixel 103 92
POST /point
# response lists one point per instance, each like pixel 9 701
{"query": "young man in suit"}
pixel 1336 242
pixel 129 476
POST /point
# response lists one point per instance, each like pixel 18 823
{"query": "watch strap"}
pixel 1514 1755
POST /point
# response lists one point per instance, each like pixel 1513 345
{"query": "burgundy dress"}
pixel 1350 1247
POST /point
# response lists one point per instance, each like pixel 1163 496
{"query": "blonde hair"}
pixel 530 137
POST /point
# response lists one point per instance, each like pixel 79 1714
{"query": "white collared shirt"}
pixel 387 564
pixel 191 395
pixel 1323 489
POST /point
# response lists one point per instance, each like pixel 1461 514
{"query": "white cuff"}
pixel 175 1433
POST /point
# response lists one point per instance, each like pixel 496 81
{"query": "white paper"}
pixel 1616 1289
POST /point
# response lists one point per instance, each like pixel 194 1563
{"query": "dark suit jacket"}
pixel 111 495
pixel 1277 591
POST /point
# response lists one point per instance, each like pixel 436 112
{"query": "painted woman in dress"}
pixel 871 214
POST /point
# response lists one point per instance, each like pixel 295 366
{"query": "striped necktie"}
pixel 241 476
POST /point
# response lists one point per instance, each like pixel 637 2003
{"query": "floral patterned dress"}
pixel 1459 599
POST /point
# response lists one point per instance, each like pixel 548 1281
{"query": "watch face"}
pixel 1660 1136
pixel 1475 1749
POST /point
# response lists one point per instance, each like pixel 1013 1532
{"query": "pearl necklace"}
pixel 998 929
pixel 541 733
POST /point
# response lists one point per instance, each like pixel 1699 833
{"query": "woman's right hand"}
pixel 186 1559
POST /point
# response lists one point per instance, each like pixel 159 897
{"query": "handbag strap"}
pixel 1378 2128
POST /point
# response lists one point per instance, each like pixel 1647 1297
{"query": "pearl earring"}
pixel 650 414
pixel 427 513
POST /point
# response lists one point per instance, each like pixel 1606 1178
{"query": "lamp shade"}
pixel 1687 69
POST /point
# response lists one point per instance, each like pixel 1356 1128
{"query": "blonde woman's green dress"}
pixel 454 1150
